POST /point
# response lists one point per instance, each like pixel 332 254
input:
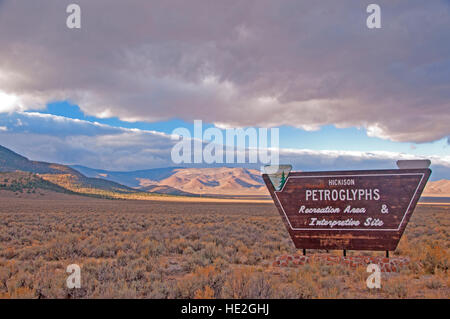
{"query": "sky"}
pixel 109 95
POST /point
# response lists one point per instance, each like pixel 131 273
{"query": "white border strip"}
pixel 353 175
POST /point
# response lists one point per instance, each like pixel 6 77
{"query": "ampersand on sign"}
pixel 384 209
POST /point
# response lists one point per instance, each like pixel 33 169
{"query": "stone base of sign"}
pixel 392 264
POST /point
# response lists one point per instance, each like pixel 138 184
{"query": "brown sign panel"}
pixel 355 210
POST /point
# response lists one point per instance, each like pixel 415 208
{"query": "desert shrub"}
pixel 205 293
pixel 245 283
pixel 396 287
pixel 260 286
pixel 49 283
pixel 160 290
pixel 295 290
pixel 210 252
pixel 433 284
pixel 434 258
pixel 8 253
pixel 194 284
pixel 5 274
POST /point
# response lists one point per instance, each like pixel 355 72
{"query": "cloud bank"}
pixel 237 63
pixel 57 139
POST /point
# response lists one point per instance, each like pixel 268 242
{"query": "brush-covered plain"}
pixel 157 249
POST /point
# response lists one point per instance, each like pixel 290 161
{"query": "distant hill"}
pixel 11 161
pixel 164 189
pixel 187 181
pixel 219 181
pixel 25 182
pixel 438 188
pixel 63 176
pixel 135 179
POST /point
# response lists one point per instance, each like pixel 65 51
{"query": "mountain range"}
pixel 221 181
pixel 213 182
pixel 200 181
pixel 60 176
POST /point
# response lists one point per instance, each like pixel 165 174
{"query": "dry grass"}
pixel 147 249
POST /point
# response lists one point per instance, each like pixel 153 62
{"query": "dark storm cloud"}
pixel 236 63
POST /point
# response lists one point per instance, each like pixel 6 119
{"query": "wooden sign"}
pixel 354 210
